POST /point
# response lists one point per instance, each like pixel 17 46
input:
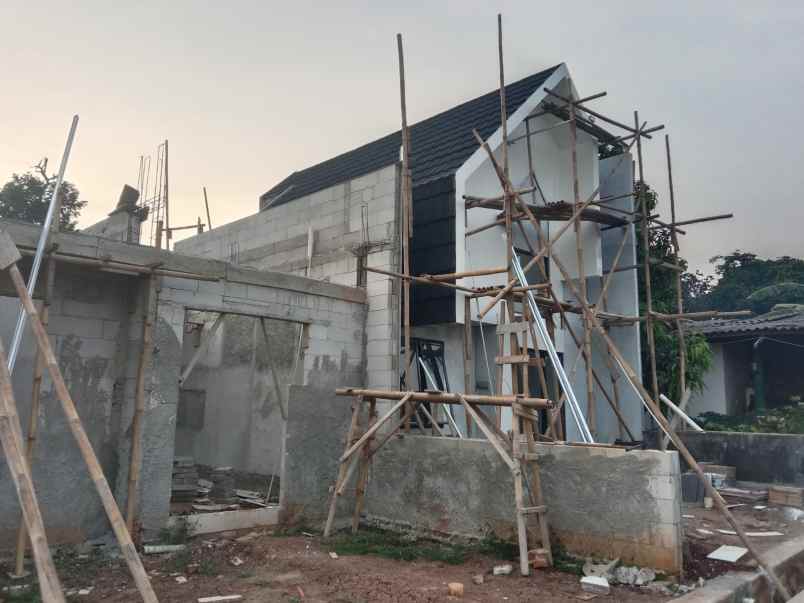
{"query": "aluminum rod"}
pixel 447 407
pixel 541 327
pixel 40 247
pixel 680 412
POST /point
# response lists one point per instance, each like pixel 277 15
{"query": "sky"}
pixel 247 92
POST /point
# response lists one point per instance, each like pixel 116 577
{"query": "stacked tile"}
pixel 223 485
pixel 185 479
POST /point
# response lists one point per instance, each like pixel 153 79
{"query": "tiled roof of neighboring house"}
pixel 439 144
pixel 782 318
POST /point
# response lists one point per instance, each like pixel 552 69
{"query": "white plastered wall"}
pixel 551 154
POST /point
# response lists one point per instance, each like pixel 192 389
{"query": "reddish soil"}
pixel 299 569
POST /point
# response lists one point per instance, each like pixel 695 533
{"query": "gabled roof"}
pixel 783 318
pixel 439 145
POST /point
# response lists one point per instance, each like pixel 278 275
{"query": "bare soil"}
pixel 263 568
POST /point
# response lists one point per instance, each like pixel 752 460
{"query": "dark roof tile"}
pixel 439 144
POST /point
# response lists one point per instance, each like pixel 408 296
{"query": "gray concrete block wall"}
pixel 601 501
pixel 88 319
pixel 276 239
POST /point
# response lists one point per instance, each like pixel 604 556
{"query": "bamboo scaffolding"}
pixel 11 440
pixel 558 305
pixel 33 419
pixel 407 209
pixel 655 411
pixel 76 427
pixel 587 334
pixel 646 268
pixel 547 243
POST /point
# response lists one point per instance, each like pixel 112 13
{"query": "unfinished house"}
pixel 191 359
pixel 333 220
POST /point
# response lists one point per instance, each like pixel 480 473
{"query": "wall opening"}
pixel 232 411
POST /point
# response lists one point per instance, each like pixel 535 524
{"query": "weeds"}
pixel 178 533
pixel 395 546
pixel 207 567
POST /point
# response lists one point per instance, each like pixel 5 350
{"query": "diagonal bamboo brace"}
pixel 11 439
pixel 74 421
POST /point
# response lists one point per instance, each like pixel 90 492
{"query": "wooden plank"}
pixel 202 348
pixel 513 359
pixel 509 328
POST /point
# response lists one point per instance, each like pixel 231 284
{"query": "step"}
pixel 515 359
pixel 533 510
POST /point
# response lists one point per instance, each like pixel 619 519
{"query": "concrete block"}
pixel 379 348
pixel 82 309
pixel 70 325
pixel 111 329
pixel 381 332
pixel 380 363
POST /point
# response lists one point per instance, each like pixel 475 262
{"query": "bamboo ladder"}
pixel 531 512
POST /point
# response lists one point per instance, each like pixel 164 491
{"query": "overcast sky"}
pixel 247 92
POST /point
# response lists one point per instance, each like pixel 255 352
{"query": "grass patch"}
pixel 178 533
pixel 395 546
pixel 179 561
pixel 28 595
pixel 564 562
pixel 207 567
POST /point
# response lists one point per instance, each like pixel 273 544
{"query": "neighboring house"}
pixel 334 218
pixel 757 362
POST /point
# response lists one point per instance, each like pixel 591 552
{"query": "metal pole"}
pixel 541 327
pixel 40 247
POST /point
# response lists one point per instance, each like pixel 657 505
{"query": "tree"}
pixel 748 282
pixel 23 198
pixel 663 289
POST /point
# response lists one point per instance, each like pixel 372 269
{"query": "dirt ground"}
pixel 701 535
pixel 263 567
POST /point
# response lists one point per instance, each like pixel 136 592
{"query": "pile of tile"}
pixel 185 480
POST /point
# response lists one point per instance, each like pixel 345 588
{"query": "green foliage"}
pixel 787 419
pixel 395 546
pixel 178 533
pixel 664 299
pixel 748 282
pixel 23 198
pixel 564 562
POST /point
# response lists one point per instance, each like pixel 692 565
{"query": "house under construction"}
pixel 468 283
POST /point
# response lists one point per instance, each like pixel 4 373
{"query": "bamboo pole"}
pixel 146 354
pixel 274 372
pixel 407 208
pixel 587 334
pixel 558 305
pixel 85 446
pixel 202 348
pixel 682 343
pixel 357 405
pixel 11 440
pixel 363 470
pixel 468 357
pixel 655 411
pixel 646 268
pixel 548 243
pixel 445 397
pixel 33 419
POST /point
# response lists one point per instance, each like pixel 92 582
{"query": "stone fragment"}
pixel 595 584
pixel 503 570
